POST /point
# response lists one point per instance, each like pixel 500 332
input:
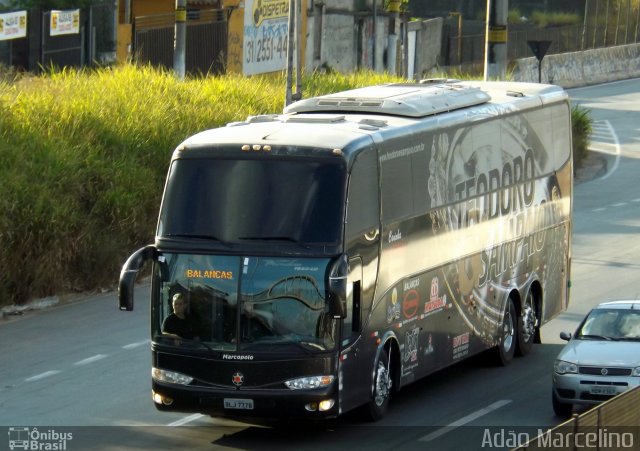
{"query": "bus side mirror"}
pixel 337 287
pixel 129 273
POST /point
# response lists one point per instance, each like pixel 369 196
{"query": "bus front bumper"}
pixel 300 404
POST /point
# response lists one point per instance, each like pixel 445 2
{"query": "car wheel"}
pixel 382 383
pixel 527 326
pixel 561 409
pixel 507 335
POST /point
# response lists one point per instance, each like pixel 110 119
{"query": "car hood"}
pixel 602 353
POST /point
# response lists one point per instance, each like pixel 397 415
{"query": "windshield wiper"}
pixel 272 346
pixel 312 345
pixel 599 337
pixel 197 343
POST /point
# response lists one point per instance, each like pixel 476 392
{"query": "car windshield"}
pixel 611 324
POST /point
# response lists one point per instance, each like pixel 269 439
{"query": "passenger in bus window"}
pixel 177 323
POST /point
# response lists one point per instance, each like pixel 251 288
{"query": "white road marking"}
pixel 604 147
pixel 464 420
pixel 136 344
pixel 93 358
pixel 37 377
pixel 186 420
pixel 619 204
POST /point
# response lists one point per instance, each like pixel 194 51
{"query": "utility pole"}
pixel 495 53
pixel 180 39
pixel 584 26
pixel 392 46
pixel 298 94
pixel 291 45
pixel 458 37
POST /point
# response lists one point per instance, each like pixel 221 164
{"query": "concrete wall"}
pixel 337 28
pixel 571 70
pixel 428 45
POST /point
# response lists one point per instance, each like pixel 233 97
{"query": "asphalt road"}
pixel 84 368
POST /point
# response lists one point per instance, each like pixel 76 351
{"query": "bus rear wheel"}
pixel 382 383
pixel 527 326
pixel 507 335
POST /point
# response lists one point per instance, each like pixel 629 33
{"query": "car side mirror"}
pixel 566 336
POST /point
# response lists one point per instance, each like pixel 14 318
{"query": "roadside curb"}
pixel 593 167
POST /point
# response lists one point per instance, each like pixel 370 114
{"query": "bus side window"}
pixel 362 234
pixel 363 206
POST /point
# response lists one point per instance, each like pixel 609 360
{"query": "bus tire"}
pixel 382 383
pixel 527 326
pixel 507 335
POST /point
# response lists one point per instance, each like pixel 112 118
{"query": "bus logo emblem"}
pixel 237 379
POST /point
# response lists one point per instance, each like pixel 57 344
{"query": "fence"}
pixel 612 425
pixel 466 50
pixel 94 44
pixel 603 23
pixel 206 44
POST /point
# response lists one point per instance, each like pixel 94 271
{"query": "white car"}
pixel 602 358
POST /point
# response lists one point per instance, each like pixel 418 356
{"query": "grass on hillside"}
pixel 85 154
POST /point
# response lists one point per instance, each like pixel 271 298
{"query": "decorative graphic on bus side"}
pixel 485 175
pixel 436 303
pixel 393 308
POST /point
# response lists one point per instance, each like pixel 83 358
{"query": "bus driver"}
pixel 177 323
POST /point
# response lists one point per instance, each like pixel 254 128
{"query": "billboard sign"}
pixel 65 22
pixel 266 32
pixel 13 25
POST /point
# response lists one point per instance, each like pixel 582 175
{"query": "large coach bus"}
pixel 326 257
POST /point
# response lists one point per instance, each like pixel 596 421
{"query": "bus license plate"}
pixel 243 404
pixel 596 390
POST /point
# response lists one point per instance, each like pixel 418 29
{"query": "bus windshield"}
pixel 240 303
pixel 241 200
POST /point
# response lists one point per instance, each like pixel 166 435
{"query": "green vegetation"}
pixel 544 19
pixel 556 19
pixel 581 124
pixel 85 155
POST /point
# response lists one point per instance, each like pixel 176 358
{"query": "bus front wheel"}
pixel 382 384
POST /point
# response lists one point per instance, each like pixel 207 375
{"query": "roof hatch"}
pixel 397 99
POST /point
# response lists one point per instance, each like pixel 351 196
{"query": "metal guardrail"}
pixel 612 425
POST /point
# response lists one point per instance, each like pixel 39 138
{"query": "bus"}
pixel 330 255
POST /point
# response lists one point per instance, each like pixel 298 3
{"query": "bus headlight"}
pixel 325 405
pixel 170 376
pixel 309 382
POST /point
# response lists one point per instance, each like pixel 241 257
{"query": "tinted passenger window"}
pixel 363 208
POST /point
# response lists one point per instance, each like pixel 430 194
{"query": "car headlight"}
pixel 636 371
pixel 309 382
pixel 562 367
pixel 170 376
